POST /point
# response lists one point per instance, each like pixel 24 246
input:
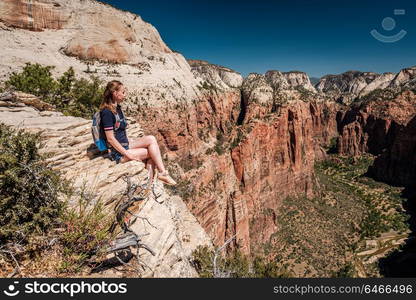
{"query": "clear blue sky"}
pixel 315 36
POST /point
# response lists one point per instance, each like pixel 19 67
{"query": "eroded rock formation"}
pixel 174 233
pixel 373 125
pixel 94 39
pixel 347 86
pixel 241 150
pixel 397 164
pixel 33 15
pixel 239 145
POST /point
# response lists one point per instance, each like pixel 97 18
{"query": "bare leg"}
pixel 150 166
pixel 147 147
pixel 152 146
pixel 138 153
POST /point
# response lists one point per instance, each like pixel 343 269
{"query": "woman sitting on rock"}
pixel 142 149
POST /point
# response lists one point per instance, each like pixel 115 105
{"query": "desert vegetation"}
pixel 73 96
pixel 214 264
pixel 349 212
pixel 46 227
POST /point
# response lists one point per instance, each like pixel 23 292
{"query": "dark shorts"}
pixel 115 155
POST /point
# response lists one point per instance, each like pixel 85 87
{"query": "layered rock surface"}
pixel 289 80
pixel 263 94
pixel 33 15
pixel 216 76
pixel 350 85
pixel 405 78
pixel 239 146
pixel 347 86
pixel 174 233
pixel 95 39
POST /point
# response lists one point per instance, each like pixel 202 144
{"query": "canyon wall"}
pixel 372 125
pixel 239 151
pixel 238 146
pixel 382 123
pixel 397 164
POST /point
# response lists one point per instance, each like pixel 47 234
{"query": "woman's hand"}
pixel 129 155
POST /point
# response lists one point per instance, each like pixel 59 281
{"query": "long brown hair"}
pixel 108 101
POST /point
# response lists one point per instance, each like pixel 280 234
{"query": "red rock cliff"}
pixel 238 159
pixel 397 164
pixel 373 125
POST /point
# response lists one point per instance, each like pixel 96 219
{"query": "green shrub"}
pixel 207 86
pixel 237 140
pixel 304 93
pixel 219 148
pixel 86 232
pixel 265 269
pixel 32 210
pixel 202 261
pixel 236 265
pixel 29 201
pixel 377 95
pixel 185 189
pixel 72 96
pixel 63 92
pixel 220 143
pixel 86 97
pixel 34 79
pixel 333 146
pixel 347 271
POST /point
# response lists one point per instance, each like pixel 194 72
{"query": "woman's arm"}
pixel 116 144
pixel 113 141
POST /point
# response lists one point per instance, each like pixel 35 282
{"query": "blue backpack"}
pixel 98 134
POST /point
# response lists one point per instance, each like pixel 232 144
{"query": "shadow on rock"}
pixel 402 262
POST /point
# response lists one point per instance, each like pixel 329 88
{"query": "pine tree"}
pixel 34 79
